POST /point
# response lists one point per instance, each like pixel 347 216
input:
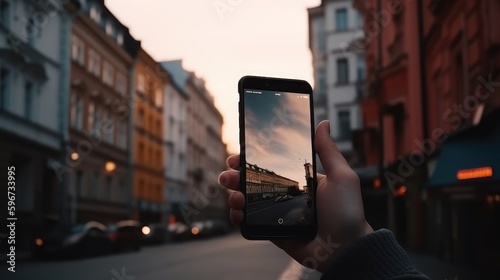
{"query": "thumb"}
pixel 331 158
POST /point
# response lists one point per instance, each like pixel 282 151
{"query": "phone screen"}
pixel 279 158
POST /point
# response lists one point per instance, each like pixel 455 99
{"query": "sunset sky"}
pixel 223 40
pixel 278 133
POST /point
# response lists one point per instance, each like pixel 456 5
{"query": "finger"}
pixel 230 179
pixel 236 201
pixel 236 216
pixel 330 156
pixel 233 161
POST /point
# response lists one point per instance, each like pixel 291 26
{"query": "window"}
pixel 78 183
pixel 31 30
pixel 108 73
pixel 96 127
pixel 119 39
pixel 141 83
pixel 342 71
pixel 79 112
pixel 109 29
pixel 29 95
pixel 72 110
pixel 122 135
pixel 4 87
pixel 121 84
pixel 360 67
pixel 95 187
pixel 108 188
pixel 91 116
pixel 140 119
pixel 95 14
pixel 4 13
pixel 78 50
pixel 158 97
pixel 94 63
pixel 359 19
pixel 122 194
pixel 140 153
pixel 321 82
pixel 109 128
pixel 341 19
pixel 344 127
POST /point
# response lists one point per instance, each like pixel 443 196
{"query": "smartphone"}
pixel 277 158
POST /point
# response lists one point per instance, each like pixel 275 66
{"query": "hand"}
pixel 339 205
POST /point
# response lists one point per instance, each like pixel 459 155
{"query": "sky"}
pixel 223 40
pixel 278 133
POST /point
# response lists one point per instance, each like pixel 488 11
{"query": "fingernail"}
pixel 222 180
pixel 328 126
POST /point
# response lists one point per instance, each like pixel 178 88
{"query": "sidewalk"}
pixel 430 265
pixel 438 269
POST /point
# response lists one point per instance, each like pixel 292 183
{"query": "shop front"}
pixel 464 196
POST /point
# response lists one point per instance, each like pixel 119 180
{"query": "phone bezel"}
pixel 266 232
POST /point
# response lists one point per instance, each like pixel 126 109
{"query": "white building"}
pixel 175 135
pixel 34 86
pixel 338 69
pixel 205 151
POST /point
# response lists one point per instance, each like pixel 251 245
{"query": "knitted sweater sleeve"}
pixel 374 256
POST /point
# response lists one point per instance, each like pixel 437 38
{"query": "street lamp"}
pixel 75 156
pixel 110 166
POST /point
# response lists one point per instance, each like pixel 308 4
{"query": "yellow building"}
pixel 148 160
pixel 263 183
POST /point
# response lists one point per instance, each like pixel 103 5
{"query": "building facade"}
pixel 433 67
pixel 149 162
pixel 34 62
pixel 265 184
pixel 175 142
pixel 339 70
pixel 205 151
pixel 98 152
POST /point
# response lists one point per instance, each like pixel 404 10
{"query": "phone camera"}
pixel 267 84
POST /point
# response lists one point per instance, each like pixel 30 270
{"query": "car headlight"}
pixel 146 230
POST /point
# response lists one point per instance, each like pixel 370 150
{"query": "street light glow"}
pixel 75 156
pixel 110 166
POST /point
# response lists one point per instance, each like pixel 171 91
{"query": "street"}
pixel 226 257
pixel 268 212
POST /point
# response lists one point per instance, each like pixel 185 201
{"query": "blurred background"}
pixel 117 117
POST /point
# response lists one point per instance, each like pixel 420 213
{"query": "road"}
pixel 225 257
pixel 221 258
pixel 268 212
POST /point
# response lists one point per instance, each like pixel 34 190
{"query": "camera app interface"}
pixel 279 171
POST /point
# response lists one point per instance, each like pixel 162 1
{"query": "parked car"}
pixel 126 235
pixel 83 240
pixel 154 233
pixel 279 199
pixel 209 228
pixel 179 231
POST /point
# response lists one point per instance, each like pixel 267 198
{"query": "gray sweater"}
pixel 375 256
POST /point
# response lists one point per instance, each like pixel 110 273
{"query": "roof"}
pixel 179 75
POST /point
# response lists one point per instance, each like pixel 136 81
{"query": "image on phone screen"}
pixel 279 165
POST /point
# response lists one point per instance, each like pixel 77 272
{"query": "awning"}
pixel 474 152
